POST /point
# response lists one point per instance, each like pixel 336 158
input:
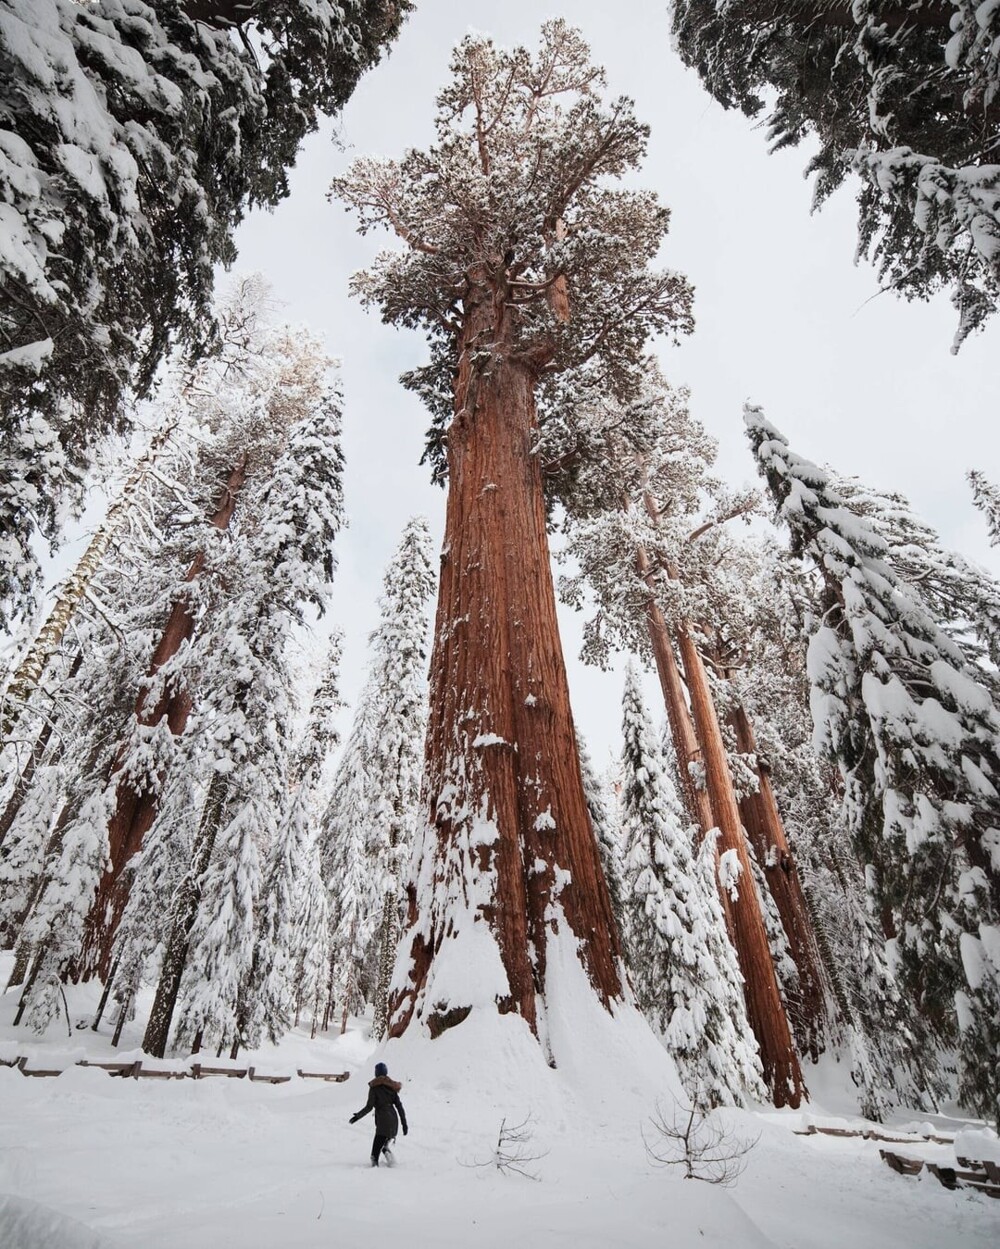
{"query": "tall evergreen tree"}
pixel 685 969
pixel 903 94
pixel 524 265
pixel 913 733
pixel 282 559
pixel 137 136
pixel 375 808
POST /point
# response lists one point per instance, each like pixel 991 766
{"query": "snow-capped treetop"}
pixel 512 201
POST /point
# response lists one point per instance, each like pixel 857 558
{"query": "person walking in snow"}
pixel 383 1098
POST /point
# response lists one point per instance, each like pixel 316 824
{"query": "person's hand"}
pixel 353 1119
pixel 405 1129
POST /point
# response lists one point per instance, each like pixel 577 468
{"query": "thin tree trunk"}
pixel 765 1009
pixel 160 1017
pixel 766 831
pixel 104 996
pixel 137 805
pixel 124 1006
pixel 388 939
pixel 501 748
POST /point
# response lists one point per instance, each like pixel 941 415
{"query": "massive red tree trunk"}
pixel 765 1009
pixel 137 804
pixel 510 843
pixel 766 831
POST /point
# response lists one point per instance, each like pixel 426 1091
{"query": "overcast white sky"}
pixel 783 316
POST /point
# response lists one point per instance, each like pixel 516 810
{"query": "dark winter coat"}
pixel 383 1098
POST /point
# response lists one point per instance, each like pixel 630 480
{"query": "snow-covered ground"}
pixel 88 1161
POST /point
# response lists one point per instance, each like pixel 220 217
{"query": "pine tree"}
pixel 398 676
pixel 605 834
pixel 522 263
pixel 139 134
pixel 282 560
pixel 247 401
pixel 913 733
pixel 685 971
pixel 375 806
pixel 903 94
pixel 292 916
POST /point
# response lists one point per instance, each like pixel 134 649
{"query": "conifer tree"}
pixel 913 733
pixel 605 834
pixel 245 402
pixel 902 93
pixel 292 935
pixel 244 684
pixel 685 970
pixel 523 263
pixel 399 675
pixel 375 807
pixel 138 135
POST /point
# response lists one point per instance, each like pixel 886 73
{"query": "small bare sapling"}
pixel 694 1138
pixel 514 1151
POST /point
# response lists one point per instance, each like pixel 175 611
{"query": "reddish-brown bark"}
pixel 136 805
pixel 765 1009
pixel 678 716
pixel 766 831
pixel 497 674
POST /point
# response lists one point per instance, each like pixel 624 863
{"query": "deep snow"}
pixel 88 1161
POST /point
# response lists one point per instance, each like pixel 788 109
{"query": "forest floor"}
pixel 90 1161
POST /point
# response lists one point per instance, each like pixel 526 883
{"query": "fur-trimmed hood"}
pixel 385 1082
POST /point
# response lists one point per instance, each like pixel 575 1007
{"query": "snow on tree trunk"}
pixel 782 1073
pixel 508 845
pixel 136 803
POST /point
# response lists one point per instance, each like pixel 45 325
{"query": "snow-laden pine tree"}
pixel 136 136
pixel 267 381
pixel 374 811
pixel 398 673
pixel 292 932
pixel 900 712
pixel 903 93
pixel 353 902
pixel 605 833
pixel 684 968
pixel 276 562
pixel 526 262
pixel 55 927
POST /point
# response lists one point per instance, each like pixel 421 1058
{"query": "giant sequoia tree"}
pixel 903 93
pixel 133 137
pixel 525 266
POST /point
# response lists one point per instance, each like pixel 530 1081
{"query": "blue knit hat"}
pixel 381 1069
